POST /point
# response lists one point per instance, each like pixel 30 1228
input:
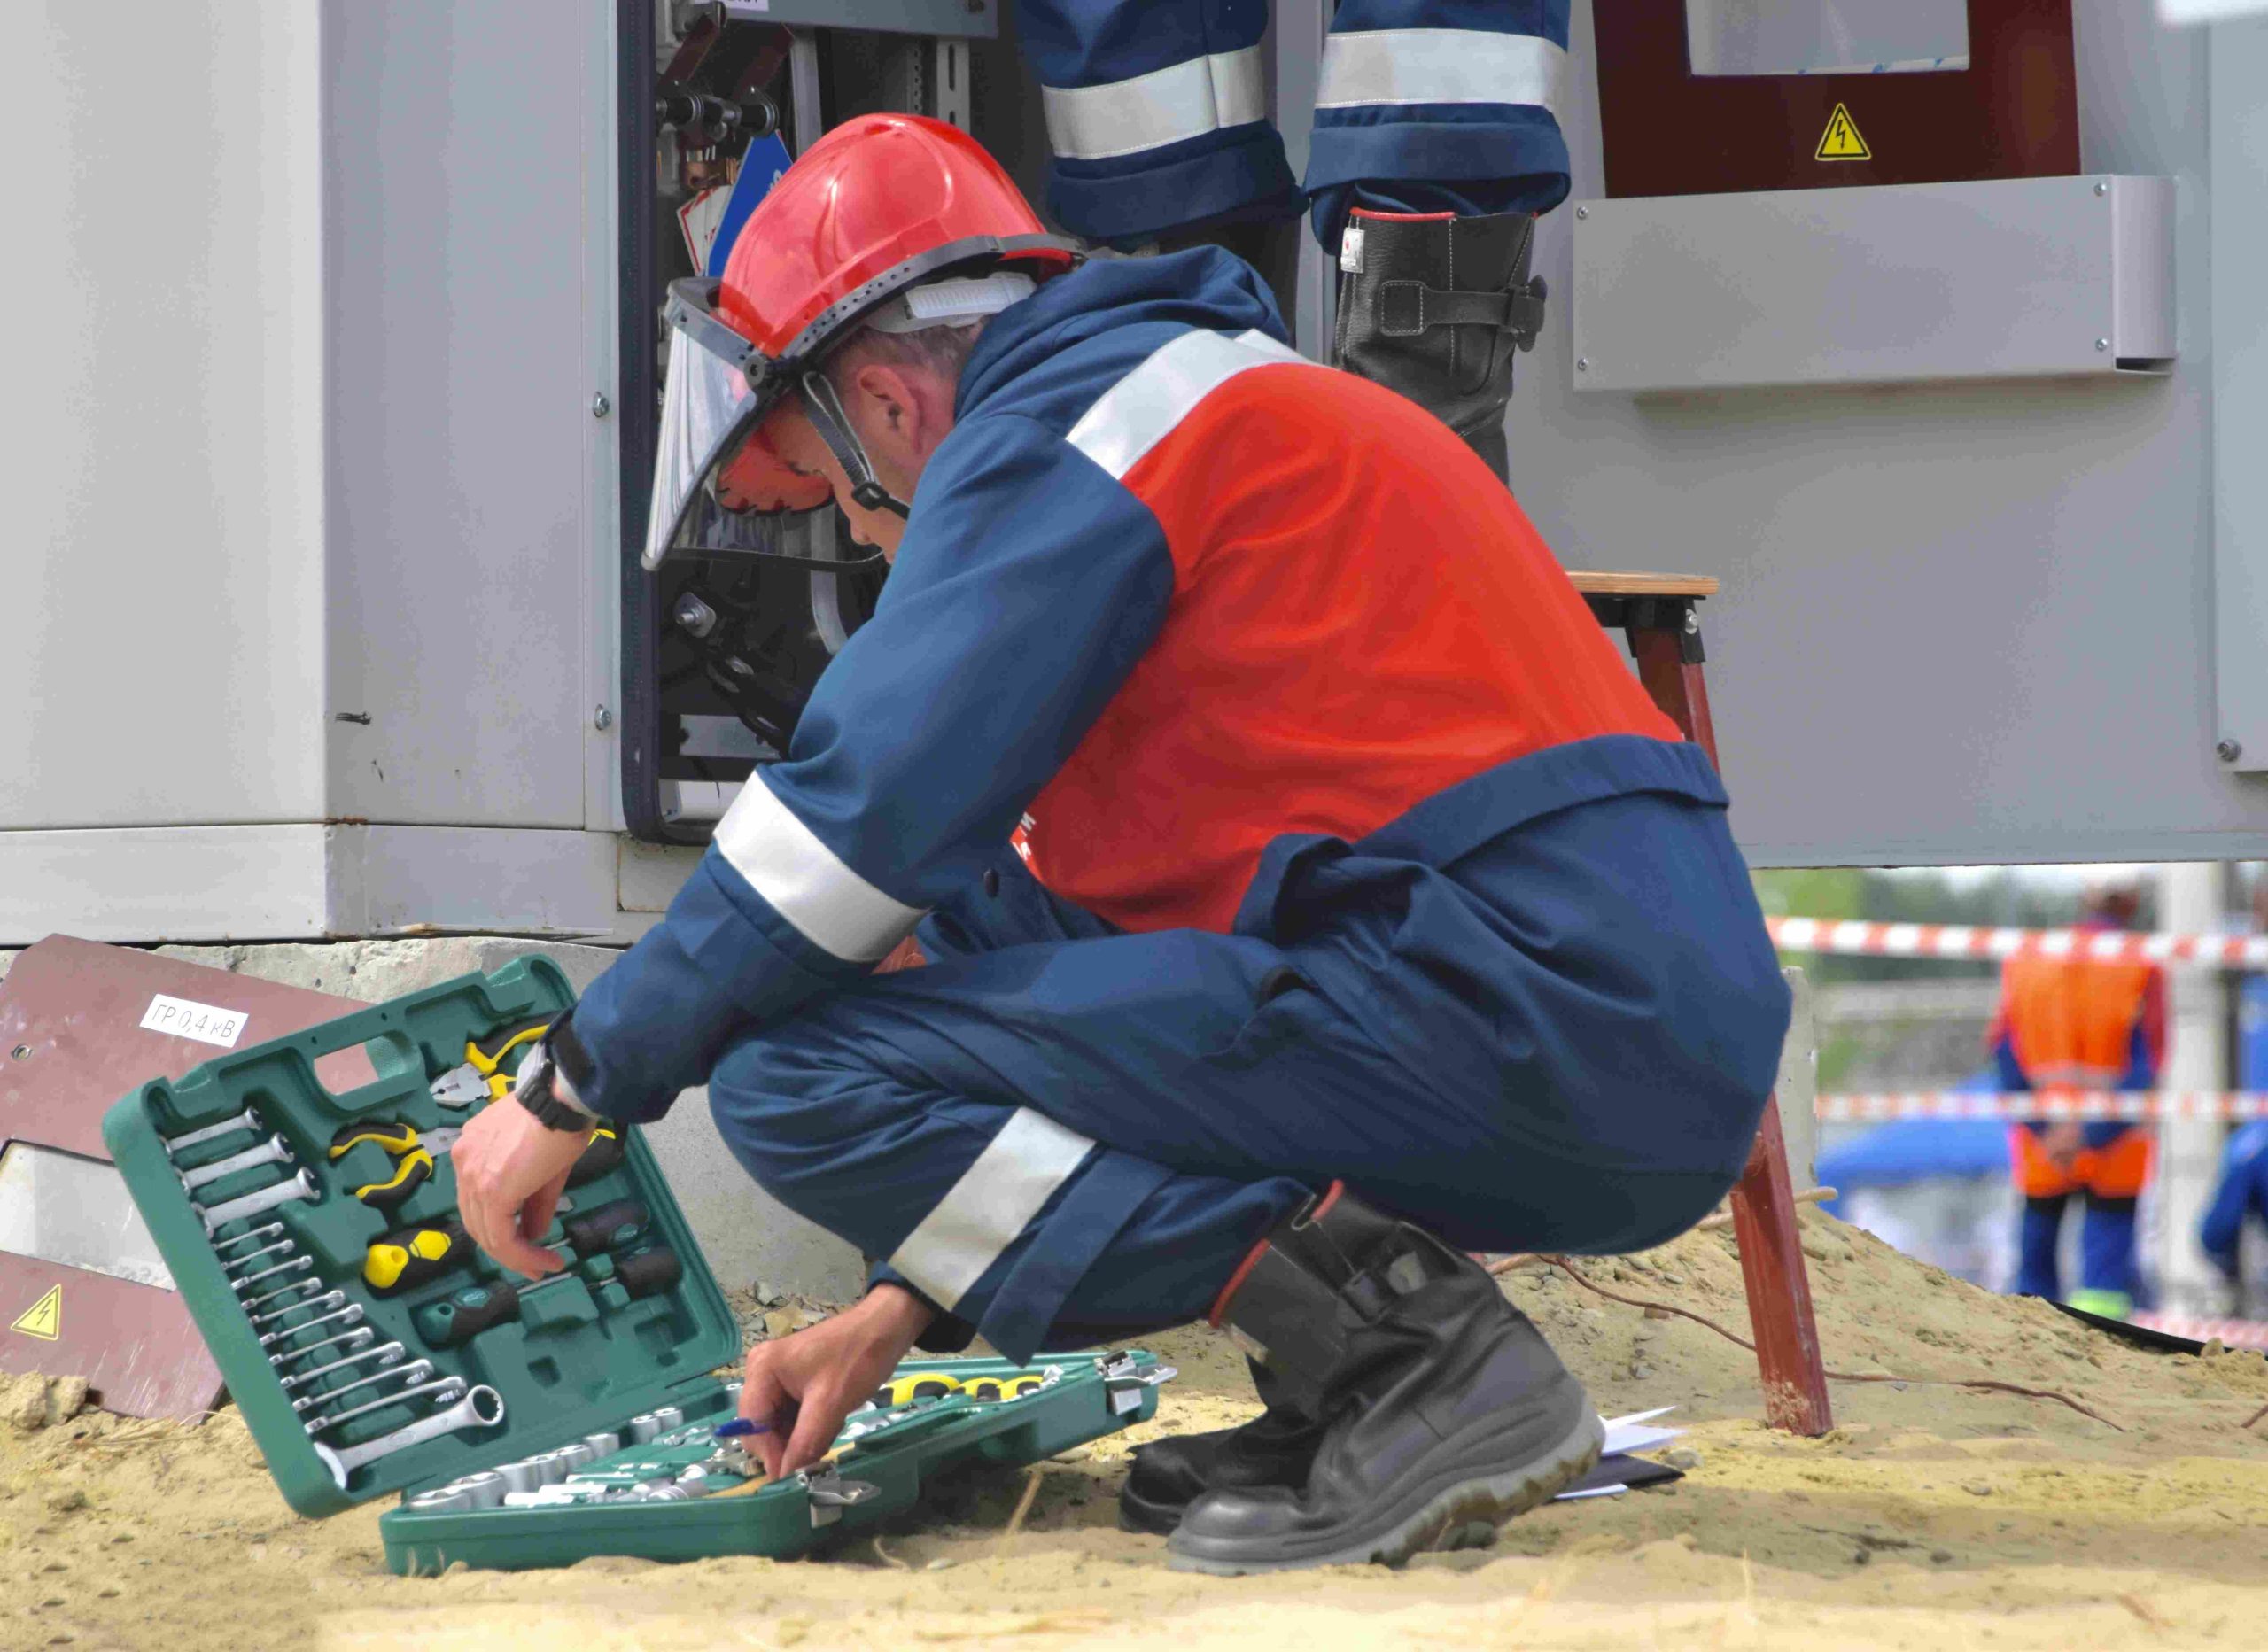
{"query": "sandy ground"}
pixel 1933 1517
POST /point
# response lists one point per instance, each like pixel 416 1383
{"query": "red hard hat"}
pixel 879 205
pixel 873 195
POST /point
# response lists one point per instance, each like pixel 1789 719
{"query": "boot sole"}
pixel 1151 1519
pixel 1462 1513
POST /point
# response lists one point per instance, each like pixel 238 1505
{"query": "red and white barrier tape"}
pixel 2099 1104
pixel 2231 1333
pixel 1858 938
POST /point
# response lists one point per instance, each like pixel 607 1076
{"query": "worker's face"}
pixel 900 415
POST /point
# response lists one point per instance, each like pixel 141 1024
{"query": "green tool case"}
pixel 540 1423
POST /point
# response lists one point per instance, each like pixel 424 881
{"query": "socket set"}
pixel 677 1482
pixel 373 1350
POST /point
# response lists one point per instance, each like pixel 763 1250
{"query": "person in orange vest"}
pixel 2065 1028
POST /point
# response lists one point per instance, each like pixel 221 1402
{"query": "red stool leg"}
pixel 1670 661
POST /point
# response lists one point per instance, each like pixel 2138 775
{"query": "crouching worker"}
pixel 1310 893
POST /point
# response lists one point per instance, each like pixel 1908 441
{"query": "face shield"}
pixel 720 487
pixel 720 490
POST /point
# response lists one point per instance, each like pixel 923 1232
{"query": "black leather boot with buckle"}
pixel 1435 305
pixel 1442 1411
pixel 1168 1475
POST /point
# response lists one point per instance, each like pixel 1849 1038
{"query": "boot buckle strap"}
pixel 1407 309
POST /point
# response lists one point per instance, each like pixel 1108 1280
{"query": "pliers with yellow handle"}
pixel 413 1152
pixel 902 1391
pixel 482 1075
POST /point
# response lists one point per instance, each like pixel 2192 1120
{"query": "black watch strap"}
pixel 535 1093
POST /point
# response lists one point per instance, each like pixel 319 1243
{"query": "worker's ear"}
pixel 890 405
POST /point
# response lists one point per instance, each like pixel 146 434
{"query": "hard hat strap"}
pixel 824 411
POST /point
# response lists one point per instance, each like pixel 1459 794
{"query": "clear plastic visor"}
pixel 720 490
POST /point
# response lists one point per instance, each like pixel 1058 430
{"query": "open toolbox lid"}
pixel 579 1355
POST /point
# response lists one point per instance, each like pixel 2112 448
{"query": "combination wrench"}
pixel 245 1121
pixel 274 1151
pixel 384 1354
pixel 448 1390
pixel 350 1314
pixel 481 1407
pixel 328 1301
pixel 354 1339
pixel 218 1216
pixel 417 1371
pixel 298 1264
pixel 268 1232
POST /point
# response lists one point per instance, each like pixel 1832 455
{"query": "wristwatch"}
pixel 535 1090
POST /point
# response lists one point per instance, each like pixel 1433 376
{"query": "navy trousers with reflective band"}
pixel 1561 1040
pixel 1157 110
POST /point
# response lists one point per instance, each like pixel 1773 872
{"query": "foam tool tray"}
pixel 374 1351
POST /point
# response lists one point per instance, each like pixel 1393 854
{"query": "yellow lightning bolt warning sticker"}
pixel 1841 140
pixel 43 1319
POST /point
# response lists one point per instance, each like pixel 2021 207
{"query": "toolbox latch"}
pixel 830 1495
pixel 1124 1380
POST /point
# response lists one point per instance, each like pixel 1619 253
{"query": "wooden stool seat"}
pixel 1598 582
pixel 1660 616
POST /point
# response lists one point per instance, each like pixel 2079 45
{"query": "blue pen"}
pixel 740 1425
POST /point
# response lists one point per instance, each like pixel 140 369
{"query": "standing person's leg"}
pixel 2040 1232
pixel 1436 144
pixel 2047 1187
pixel 2109 1277
pixel 1157 113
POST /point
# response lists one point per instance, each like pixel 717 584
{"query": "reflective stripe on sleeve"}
pixel 1183 100
pixel 1440 65
pixel 1140 411
pixel 832 906
pixel 993 1202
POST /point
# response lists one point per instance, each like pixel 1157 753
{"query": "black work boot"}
pixel 1444 1412
pixel 1435 306
pixel 1168 1475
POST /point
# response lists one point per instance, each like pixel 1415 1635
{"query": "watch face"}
pixel 534 1078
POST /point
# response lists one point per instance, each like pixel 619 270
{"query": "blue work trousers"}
pixel 1157 111
pixel 1062 1135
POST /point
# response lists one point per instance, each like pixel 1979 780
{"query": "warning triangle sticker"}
pixel 43 1319
pixel 1841 140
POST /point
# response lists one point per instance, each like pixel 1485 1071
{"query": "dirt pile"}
pixel 1933 1516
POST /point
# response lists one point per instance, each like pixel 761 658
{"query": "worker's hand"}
pixel 511 1168
pixel 2062 1140
pixel 801 1387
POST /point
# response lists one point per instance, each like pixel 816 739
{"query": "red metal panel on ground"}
pixel 136 1344
pixel 72 1041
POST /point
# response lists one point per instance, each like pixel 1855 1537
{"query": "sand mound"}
pixel 1933 1516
